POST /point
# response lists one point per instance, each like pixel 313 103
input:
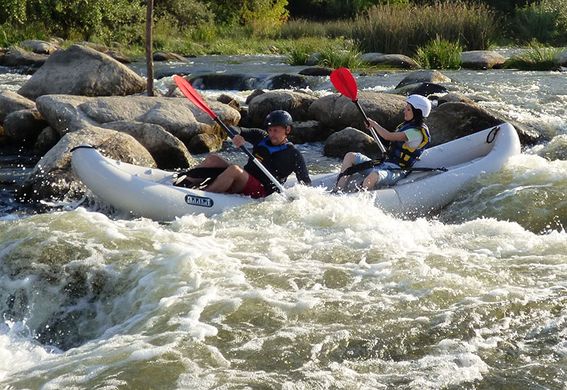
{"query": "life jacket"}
pixel 264 149
pixel 399 153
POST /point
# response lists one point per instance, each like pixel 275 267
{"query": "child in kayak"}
pixel 407 143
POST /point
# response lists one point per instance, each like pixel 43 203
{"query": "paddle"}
pixel 189 92
pixel 343 80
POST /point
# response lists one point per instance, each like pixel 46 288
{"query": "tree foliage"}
pixel 185 13
pixel 87 17
pixel 333 9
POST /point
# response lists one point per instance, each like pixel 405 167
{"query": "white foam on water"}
pixel 239 297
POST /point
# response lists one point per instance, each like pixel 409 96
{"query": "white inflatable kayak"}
pixel 149 192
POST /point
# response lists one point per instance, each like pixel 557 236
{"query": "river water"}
pixel 324 292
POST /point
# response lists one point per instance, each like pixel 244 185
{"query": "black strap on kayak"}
pixel 372 163
pixel 82 146
pixel 492 134
pixel 202 173
pixel 197 177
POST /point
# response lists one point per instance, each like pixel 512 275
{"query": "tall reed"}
pixel 404 28
pixel 536 57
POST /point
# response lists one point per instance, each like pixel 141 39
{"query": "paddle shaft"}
pixel 372 131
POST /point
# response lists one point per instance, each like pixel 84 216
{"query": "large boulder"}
pixel 177 116
pixel 337 112
pixel 422 82
pixel 39 47
pixel 47 139
pixel 287 81
pixel 424 76
pixel 224 81
pixel 460 117
pixel 391 60
pixel 167 150
pixel 53 178
pixel 80 70
pixel 351 140
pixel 454 120
pixel 24 126
pixel 308 131
pixel 296 103
pixel 482 59
pixel 11 101
pixel 18 57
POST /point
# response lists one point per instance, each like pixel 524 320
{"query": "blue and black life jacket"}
pixel 264 149
pixel 399 153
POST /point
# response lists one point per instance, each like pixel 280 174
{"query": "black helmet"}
pixel 278 117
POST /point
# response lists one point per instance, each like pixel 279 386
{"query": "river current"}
pixel 323 292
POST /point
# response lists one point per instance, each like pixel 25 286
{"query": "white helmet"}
pixel 420 103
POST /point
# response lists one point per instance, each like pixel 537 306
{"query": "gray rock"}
pixel 351 140
pixel 450 121
pixel 371 58
pixel 256 92
pixel 39 47
pixel 337 112
pixel 53 178
pixel 168 56
pixel 11 101
pixel 223 81
pixel 482 59
pixel 24 126
pixel 47 139
pixel 423 89
pixel 177 116
pixel 18 57
pixel 296 103
pixel 287 81
pixel 82 71
pixel 167 150
pixel 308 131
pixel 316 71
pixel 461 116
pixel 205 142
pixel 394 60
pixel 424 76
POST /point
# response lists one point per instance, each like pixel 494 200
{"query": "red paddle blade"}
pixel 345 83
pixel 187 89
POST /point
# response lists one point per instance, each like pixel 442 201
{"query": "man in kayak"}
pixel 407 143
pixel 271 148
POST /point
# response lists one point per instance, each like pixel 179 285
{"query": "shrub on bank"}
pixel 440 54
pixel 536 57
pixel 544 21
pixel 330 53
pixel 402 29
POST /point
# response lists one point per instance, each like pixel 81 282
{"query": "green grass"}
pixel 536 57
pixel 440 54
pixel 403 29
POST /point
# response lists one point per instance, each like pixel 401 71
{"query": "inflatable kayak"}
pixel 149 192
